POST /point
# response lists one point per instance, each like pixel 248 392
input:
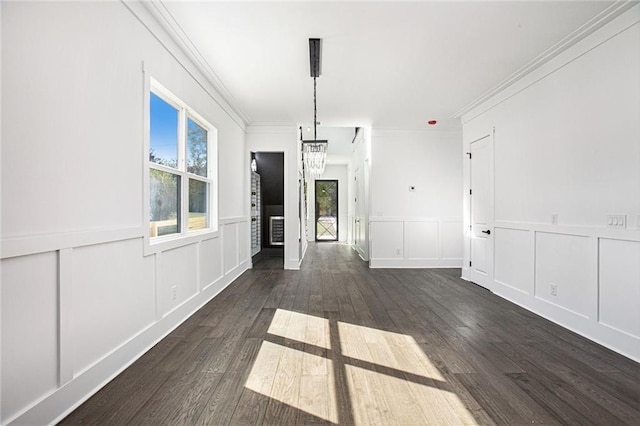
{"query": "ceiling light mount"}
pixel 314 56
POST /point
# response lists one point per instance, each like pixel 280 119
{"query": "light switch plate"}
pixel 617 221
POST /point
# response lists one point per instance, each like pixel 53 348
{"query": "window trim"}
pixel 185 112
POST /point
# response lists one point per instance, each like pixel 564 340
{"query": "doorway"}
pixel 267 210
pixel 326 202
pixel 482 212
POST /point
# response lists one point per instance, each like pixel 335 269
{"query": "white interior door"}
pixel 358 225
pixel 482 212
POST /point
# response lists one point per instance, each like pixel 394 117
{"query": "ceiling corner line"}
pixel 607 15
pixel 167 21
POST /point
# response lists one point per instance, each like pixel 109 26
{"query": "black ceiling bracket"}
pixel 314 56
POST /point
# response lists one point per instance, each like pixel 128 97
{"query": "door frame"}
pixel 315 208
pixel 484 280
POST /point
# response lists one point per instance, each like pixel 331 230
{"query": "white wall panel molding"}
pixel 619 286
pixel 65 316
pixel 583 231
pixel 58 404
pixel 231 220
pixel 230 246
pixel 513 259
pixel 414 242
pixel 599 265
pixel 32 244
pixel 413 263
pixel 29 321
pixel 621 342
pixel 79 370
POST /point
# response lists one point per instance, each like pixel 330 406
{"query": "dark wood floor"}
pixel 340 343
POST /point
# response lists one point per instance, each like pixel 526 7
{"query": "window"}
pixel 180 163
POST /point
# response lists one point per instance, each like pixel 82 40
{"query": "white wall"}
pixel 567 142
pixel 359 189
pixel 420 228
pixel 337 172
pixel 79 299
pixel 283 139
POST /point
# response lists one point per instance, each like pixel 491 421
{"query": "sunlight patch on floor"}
pixel 304 328
pixel 296 378
pixel 389 378
pixel 396 351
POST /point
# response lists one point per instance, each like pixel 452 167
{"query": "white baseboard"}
pixel 415 263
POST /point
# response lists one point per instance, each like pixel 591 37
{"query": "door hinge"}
pixel 469 263
pixel 469 154
pixel 470 192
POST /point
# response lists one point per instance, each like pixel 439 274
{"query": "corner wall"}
pixel 79 299
pixel 416 178
pixel 567 143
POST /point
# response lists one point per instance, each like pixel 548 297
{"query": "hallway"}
pixel 339 343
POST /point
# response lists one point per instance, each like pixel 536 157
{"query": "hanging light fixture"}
pixel 315 151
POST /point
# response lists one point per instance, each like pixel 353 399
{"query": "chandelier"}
pixel 315 151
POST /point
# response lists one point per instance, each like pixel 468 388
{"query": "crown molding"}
pixel 167 21
pixel 607 15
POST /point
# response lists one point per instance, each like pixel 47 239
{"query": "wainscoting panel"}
pixel 387 240
pixel 560 261
pixel 179 277
pixel 75 317
pixel 421 240
pixel 410 242
pixel 230 242
pixel 619 286
pixel 596 271
pixel 513 250
pixel 113 298
pixel 451 239
pixel 210 262
pixel 29 329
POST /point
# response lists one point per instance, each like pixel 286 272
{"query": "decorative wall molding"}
pixel 609 14
pixel 415 242
pixel 55 406
pixel 584 276
pixel 159 11
pixel 77 385
pixel 40 243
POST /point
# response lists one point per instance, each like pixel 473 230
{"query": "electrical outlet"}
pixel 617 221
pixel 554 289
pixel 554 219
pixel 174 292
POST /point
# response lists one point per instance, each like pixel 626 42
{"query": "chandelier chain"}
pixel 315 110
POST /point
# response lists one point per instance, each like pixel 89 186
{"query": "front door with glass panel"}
pixel 326 194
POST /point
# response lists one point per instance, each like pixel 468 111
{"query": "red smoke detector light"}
pixel 431 122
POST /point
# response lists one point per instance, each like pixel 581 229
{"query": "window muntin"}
pixel 180 165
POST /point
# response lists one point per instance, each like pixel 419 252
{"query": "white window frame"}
pixel 185 236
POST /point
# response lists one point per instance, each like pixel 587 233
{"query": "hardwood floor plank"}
pixel 224 398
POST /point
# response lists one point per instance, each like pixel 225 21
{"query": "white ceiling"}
pixel 384 64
